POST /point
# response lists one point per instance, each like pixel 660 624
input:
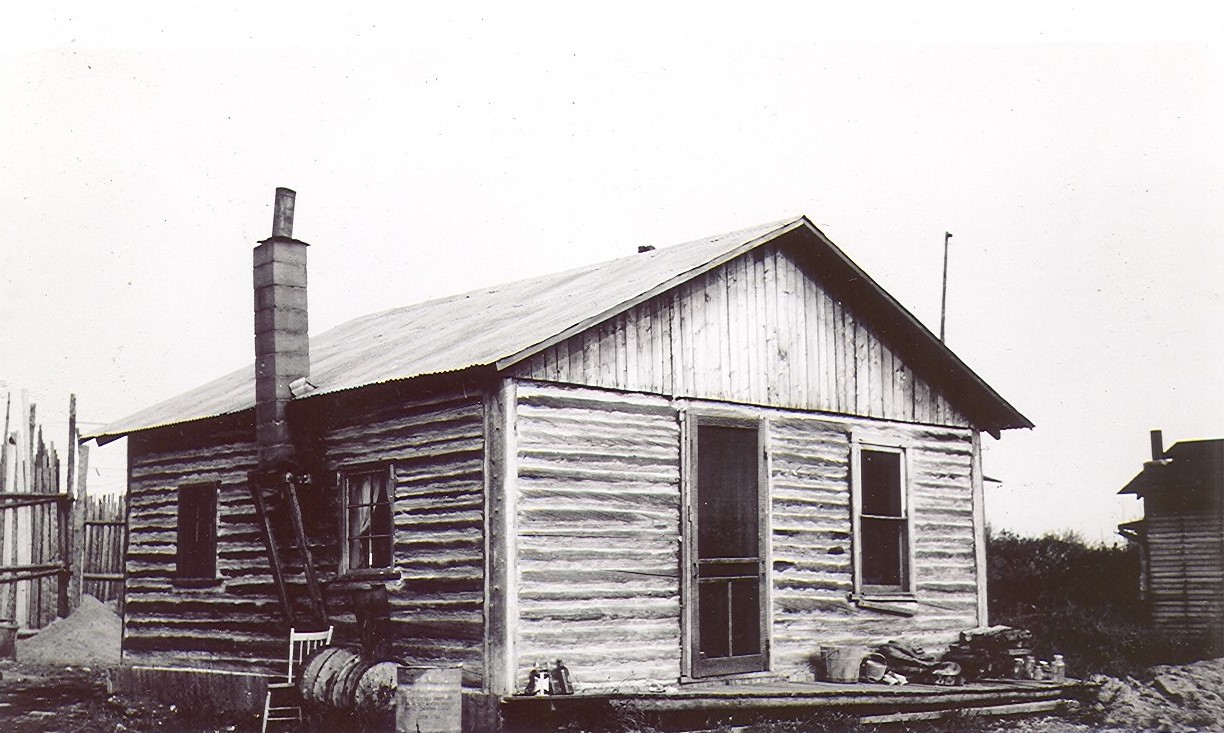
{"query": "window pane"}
pixel 881 483
pixel 727 492
pixel 368 520
pixel 381 526
pixel 883 554
pixel 359 520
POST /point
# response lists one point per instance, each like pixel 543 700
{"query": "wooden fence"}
pixel 54 545
pixel 101 555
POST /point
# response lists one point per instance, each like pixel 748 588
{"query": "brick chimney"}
pixel 282 346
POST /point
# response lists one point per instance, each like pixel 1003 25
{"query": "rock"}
pixel 1173 687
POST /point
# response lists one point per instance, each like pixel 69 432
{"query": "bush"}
pixel 1079 600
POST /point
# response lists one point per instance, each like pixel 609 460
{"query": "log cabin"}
pixel 1181 539
pixel 697 462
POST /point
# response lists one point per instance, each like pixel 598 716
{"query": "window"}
pixel 368 529
pixel 882 514
pixel 197 531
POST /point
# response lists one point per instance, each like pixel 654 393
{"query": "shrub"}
pixel 1079 600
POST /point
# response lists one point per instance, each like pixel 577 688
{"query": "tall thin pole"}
pixel 943 302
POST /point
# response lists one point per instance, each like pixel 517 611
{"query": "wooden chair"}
pixel 282 703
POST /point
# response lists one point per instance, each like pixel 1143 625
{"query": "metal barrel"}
pixel 348 686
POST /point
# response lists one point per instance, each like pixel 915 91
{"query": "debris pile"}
pixel 992 651
pixel 90 636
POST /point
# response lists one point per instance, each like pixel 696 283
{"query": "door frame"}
pixel 691 417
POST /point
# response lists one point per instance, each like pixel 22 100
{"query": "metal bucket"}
pixel 344 685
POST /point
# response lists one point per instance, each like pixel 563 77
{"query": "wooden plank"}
pixel 590 356
pixel 887 378
pixel 79 530
pixel 709 354
pixel 1026 708
pixel 773 364
pixel 798 340
pixel 862 371
pixel 759 325
pixel 682 340
pixel 4 446
pixel 732 356
pixel 607 354
pixel 792 377
pixel 719 318
pixel 818 326
pixel 562 361
pixel 979 531
pixel 669 350
pixel 843 346
pixel 745 318
pixel 501 511
pixel 74 529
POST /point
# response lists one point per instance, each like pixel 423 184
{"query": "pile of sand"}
pixel 90 636
pixel 1183 698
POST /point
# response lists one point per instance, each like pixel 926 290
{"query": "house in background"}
pixel 696 462
pixel 1181 538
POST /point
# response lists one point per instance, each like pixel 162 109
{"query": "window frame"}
pixel 193 552
pixel 905 590
pixel 344 478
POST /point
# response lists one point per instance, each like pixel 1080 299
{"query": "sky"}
pixel 1075 154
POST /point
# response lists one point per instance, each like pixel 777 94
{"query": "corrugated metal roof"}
pixel 479 328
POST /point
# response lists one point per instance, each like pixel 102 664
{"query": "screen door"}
pixel 727 590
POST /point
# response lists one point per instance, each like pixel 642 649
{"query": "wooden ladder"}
pixel 287 483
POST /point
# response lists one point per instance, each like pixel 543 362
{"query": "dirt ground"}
pixel 58 684
pixel 68 699
pixel 40 699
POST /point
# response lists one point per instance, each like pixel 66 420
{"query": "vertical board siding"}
pixel 598 536
pixel 757 330
pixel 437 446
pixel 812 552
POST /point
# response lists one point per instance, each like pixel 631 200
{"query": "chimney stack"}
pixel 282 346
pixel 1157 445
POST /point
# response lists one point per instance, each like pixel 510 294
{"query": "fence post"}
pixel 69 577
pixel 78 526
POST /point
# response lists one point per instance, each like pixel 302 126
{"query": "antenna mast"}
pixel 943 302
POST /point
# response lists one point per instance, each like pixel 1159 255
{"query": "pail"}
pixel 842 663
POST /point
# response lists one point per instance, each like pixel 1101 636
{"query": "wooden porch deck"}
pixel 707 706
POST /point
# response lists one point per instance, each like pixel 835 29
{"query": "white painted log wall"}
pixel 599 523
pixel 598 536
